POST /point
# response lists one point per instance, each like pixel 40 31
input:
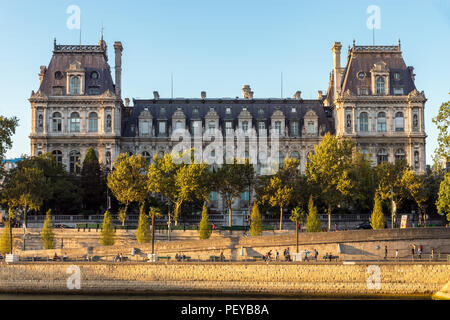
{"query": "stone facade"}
pixel 372 99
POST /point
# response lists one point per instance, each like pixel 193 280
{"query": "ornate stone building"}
pixel 372 99
pixel 375 101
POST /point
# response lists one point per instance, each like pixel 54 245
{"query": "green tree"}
pixel 47 236
pixel 363 185
pixel 443 202
pixel 178 182
pixel 255 221
pixel 313 223
pixel 5 239
pixel 279 190
pixel 107 234
pixel 143 234
pixel 154 213
pixel 128 181
pixel 204 229
pixel 414 186
pixel 92 182
pixel 442 121
pixel 7 130
pixel 329 169
pixel 25 189
pixel 377 218
pixel 297 216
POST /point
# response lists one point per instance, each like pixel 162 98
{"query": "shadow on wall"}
pixel 349 250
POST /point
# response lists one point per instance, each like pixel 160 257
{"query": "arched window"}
pixel 147 156
pixel 363 122
pixel 400 154
pixel 365 153
pixel 108 159
pixel 93 122
pixel 161 154
pixel 415 122
pixel 382 156
pixel 416 160
pixel 57 154
pixel 108 123
pixel 399 123
pixel 57 122
pixel 75 162
pixel 381 122
pixel 130 154
pixel 75 85
pixel 74 122
pixel 295 155
pixel 380 88
pixel 40 121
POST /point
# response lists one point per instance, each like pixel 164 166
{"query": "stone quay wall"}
pixel 278 279
pixel 348 245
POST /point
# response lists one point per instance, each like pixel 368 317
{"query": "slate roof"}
pixel 269 106
pixel 91 57
pixel 363 58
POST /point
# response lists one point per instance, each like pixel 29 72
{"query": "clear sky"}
pixel 218 46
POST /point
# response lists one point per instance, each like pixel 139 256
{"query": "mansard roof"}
pixel 364 58
pixel 88 57
pixel 203 106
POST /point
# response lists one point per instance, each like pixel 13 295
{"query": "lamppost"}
pixel 394 209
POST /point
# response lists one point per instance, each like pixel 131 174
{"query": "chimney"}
pixel 246 92
pixel 42 73
pixel 155 95
pixel 118 54
pixel 336 55
pixel 203 94
pixel 298 95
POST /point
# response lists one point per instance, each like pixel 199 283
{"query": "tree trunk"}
pixel 229 215
pixel 329 217
pixel 10 237
pixel 281 217
pixel 296 232
pixel 153 233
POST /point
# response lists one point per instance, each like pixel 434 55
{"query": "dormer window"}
pixel 94 75
pixel 398 91
pixel 380 85
pixel 75 85
pixel 396 76
pixel 361 75
pixel 228 110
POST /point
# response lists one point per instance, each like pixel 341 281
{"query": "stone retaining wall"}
pixel 282 279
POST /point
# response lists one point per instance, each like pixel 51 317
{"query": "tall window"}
pixel 213 196
pixel 311 127
pixel 416 160
pixel 294 128
pixel 75 85
pixel 179 124
pixel 75 162
pixel 380 88
pixel 196 127
pixel 228 127
pixel 381 122
pixel 74 122
pixel 108 123
pixel 400 154
pixel 261 126
pixel 415 122
pixel 93 122
pixel 363 122
pixel 211 126
pixel 382 156
pixel 162 127
pixel 278 127
pixel 146 156
pixel 40 121
pixel 57 154
pixel 245 126
pixel 399 123
pixel 57 122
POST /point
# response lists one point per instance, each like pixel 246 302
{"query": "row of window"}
pixel 381 122
pixel 75 122
pixel 196 127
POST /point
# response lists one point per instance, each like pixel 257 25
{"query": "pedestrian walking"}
pixel 419 252
pixel 432 253
pixel 277 255
pixel 385 252
pixel 396 254
pixel 413 249
pixel 316 254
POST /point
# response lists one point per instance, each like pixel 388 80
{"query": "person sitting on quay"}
pixel 222 257
pixel 55 257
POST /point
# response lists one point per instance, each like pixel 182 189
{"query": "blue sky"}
pixel 218 46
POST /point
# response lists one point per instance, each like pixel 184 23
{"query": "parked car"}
pixel 363 226
pixel 62 226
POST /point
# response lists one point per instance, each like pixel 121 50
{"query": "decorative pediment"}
pixel 76 67
pixel 416 95
pixel 145 114
pixel 348 93
pixel 245 114
pixel 278 114
pixel 108 94
pixel 178 114
pixel 311 114
pixel 380 66
pixel 212 114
